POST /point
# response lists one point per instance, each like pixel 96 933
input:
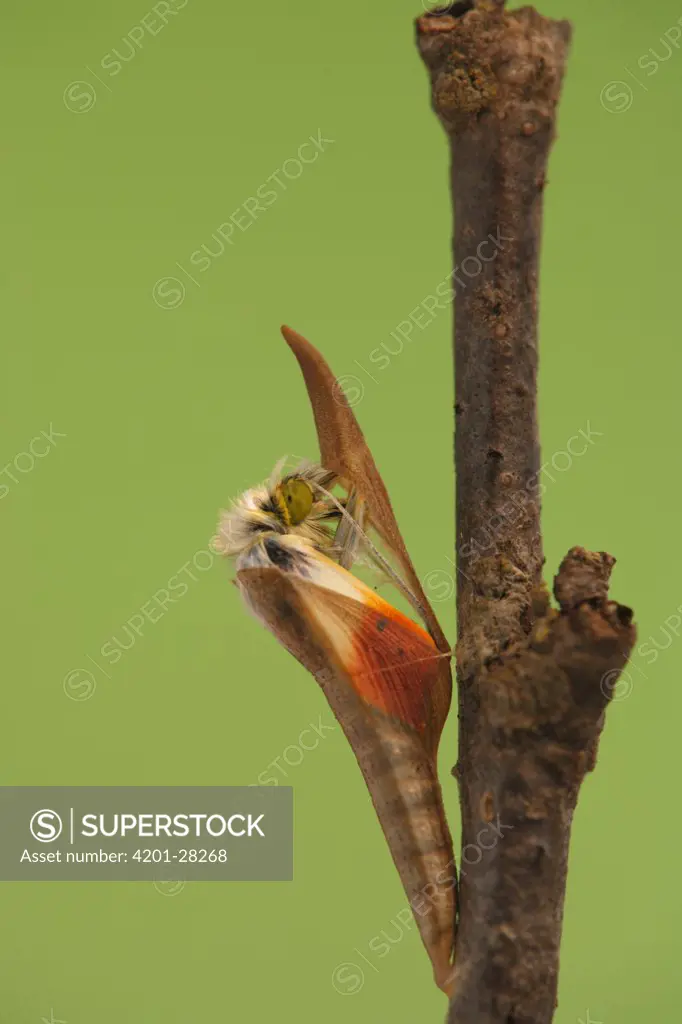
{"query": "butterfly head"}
pixel 287 506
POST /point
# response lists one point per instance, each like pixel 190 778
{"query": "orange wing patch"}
pixel 393 663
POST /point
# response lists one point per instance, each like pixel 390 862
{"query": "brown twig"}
pixel 533 682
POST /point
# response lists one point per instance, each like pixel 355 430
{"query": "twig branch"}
pixel 532 688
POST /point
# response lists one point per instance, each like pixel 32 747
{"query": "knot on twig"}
pixel 583 576
pixel 552 681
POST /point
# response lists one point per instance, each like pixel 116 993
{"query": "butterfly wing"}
pixel 393 663
pixel 378 670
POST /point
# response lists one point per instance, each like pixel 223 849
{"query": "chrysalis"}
pixel 386 678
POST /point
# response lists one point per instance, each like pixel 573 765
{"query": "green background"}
pixel 168 412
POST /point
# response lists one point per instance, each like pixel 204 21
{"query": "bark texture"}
pixel 534 681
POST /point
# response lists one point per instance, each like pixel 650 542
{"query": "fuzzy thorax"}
pixel 288 505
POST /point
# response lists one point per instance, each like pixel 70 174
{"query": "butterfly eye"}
pixel 298 497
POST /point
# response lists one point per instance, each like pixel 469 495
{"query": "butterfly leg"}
pixel 347 538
